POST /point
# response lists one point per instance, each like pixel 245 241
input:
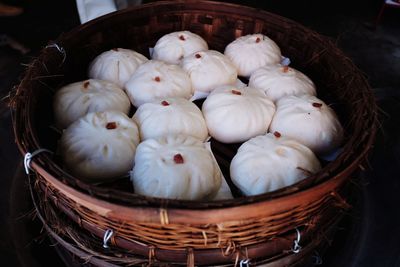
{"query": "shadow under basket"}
pixel 260 229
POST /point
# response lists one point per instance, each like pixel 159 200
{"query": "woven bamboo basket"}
pixel 260 228
pixel 86 249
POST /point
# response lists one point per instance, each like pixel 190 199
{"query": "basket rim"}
pixel 39 163
pixel 173 215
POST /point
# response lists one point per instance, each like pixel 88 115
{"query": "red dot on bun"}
pixel 317 105
pixel 285 69
pixel 178 159
pixel 111 125
pixel 236 92
pixel 164 103
pixel 86 84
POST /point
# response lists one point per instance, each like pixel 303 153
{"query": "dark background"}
pixel 370 236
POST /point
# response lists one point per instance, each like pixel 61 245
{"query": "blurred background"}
pixel 371 233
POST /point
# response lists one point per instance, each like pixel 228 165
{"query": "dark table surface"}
pixel 370 234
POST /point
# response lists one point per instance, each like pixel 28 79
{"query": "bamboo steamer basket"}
pixel 261 228
pixel 84 248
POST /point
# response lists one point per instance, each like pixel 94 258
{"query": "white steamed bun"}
pixel 155 80
pixel 173 47
pixel 237 114
pixel 278 81
pixel 100 146
pixel 170 116
pixel 77 99
pixel 251 52
pixel 209 69
pixel 269 162
pixel 116 65
pixel 175 167
pixel 310 121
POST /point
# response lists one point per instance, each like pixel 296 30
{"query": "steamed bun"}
pixel 310 121
pixel 209 69
pixel 237 114
pixel 155 80
pixel 116 65
pixel 269 162
pixel 278 81
pixel 251 52
pixel 77 99
pixel 100 146
pixel 170 116
pixel 175 167
pixel 173 47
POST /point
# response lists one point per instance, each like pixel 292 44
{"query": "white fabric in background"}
pixel 392 3
pixel 91 9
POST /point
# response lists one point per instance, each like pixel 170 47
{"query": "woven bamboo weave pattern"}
pixel 176 236
pixel 82 243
